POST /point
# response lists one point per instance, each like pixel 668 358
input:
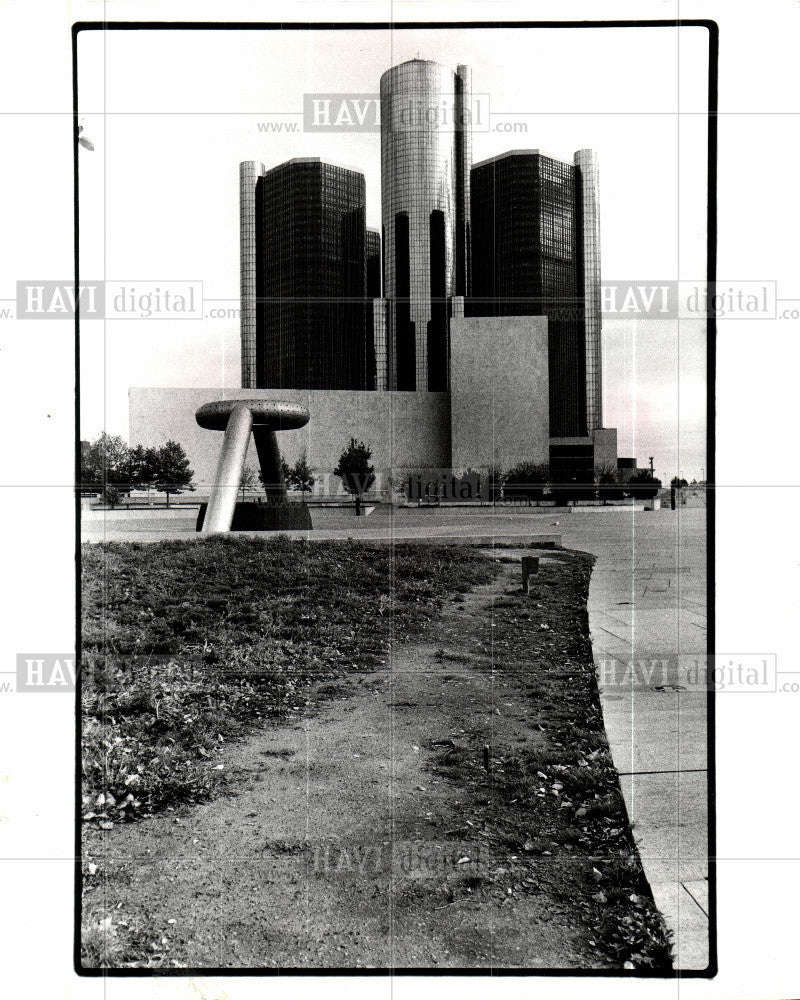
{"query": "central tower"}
pixel 426 155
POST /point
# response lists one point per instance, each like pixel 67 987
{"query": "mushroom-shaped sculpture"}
pixel 238 417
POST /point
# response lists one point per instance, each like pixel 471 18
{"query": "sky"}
pixel 172 113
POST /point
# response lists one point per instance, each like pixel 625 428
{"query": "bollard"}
pixel 530 567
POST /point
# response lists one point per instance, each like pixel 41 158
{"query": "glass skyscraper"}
pixel 328 304
pixel 425 159
pixel 536 251
pixel 304 277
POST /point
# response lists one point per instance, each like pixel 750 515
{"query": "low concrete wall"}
pixel 120 515
pixel 605 449
pixel 405 430
pixel 499 386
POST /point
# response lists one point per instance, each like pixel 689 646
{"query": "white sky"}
pixel 171 114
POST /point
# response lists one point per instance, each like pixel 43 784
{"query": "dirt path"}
pixel 357 836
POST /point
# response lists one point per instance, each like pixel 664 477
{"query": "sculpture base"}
pixel 250 516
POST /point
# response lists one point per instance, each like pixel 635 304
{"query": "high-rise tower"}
pixel 536 251
pixel 249 173
pixel 426 154
pixel 303 277
pixel 588 193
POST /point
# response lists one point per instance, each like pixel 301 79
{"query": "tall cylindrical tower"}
pixel 425 160
pixel 587 190
pixel 249 172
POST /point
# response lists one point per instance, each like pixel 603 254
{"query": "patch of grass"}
pixel 186 644
pixel 109 942
pixel 557 807
pixel 101 944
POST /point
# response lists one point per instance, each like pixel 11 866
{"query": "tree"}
pixel 104 461
pixel 142 467
pixel 608 488
pixel 248 480
pixel 579 485
pixel 109 461
pixel 301 474
pixel 173 474
pixel 677 482
pixel 526 481
pixel 90 473
pixel 110 496
pixel 495 483
pixel 643 485
pixel 355 471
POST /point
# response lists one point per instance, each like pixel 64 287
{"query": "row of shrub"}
pixel 532 482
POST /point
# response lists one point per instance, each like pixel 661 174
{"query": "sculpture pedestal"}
pixel 253 516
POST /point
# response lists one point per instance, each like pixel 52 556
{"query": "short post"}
pixel 530 567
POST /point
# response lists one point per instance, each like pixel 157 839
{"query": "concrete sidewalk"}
pixel 647 606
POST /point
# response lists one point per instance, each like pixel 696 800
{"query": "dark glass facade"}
pixel 438 360
pixel 570 462
pixel 527 259
pixel 405 344
pixel 373 254
pixel 311 277
pixel 374 291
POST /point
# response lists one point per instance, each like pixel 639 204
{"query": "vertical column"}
pixel 249 172
pixel 437 324
pixel 269 458
pixel 382 374
pixel 463 166
pixel 589 201
pixel 228 478
pixel 375 350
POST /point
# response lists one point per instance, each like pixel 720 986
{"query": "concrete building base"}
pixel 249 516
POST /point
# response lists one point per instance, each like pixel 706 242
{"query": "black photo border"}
pixel 711 264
